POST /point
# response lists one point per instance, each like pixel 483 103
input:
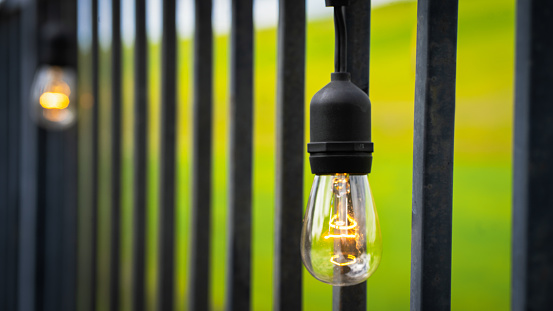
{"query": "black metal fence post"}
pixel 9 155
pixel 26 299
pixel 198 298
pixel 94 191
pixel 532 254
pixel 290 153
pixel 115 241
pixel 166 242
pixel 238 287
pixel 140 159
pixel 433 155
pixel 358 19
pixel 4 162
pixel 57 220
pixel 14 154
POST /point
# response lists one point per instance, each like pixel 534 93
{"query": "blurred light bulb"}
pixel 341 242
pixel 53 101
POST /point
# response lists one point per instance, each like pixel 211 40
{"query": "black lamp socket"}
pixel 340 128
pixel 58 46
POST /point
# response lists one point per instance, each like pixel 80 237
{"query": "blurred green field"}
pixel 482 173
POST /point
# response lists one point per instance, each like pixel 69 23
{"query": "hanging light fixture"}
pixel 53 97
pixel 341 242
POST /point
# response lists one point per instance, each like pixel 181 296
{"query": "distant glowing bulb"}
pixel 53 104
pixel 341 242
pixel 51 100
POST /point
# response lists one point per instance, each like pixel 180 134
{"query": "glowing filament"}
pixel 335 225
pixel 53 100
pixel 351 261
pixel 335 236
pixel 340 224
pixel 344 228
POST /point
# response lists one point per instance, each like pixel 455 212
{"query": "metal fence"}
pixel 39 167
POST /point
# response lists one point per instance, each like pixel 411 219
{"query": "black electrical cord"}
pixel 340 43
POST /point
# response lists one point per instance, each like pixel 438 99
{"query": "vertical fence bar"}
pixel 433 155
pixel 140 152
pixel 95 158
pixel 290 153
pixel 358 24
pixel 4 165
pixel 40 231
pixel 168 155
pixel 67 258
pixel 69 218
pixel 50 224
pixel 238 288
pixel 13 159
pixel 9 157
pixel 201 184
pixel 532 261
pixel 28 269
pixel 115 241
pixel 9 150
pixel 58 207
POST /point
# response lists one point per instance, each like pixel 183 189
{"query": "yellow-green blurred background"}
pixel 482 171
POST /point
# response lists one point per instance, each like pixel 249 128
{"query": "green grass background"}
pixel 482 172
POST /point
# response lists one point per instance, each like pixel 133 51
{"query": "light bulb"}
pixel 53 97
pixel 341 242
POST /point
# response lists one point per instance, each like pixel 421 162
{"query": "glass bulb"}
pixel 53 102
pixel 341 242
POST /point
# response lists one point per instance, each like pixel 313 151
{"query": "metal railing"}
pixel 38 167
